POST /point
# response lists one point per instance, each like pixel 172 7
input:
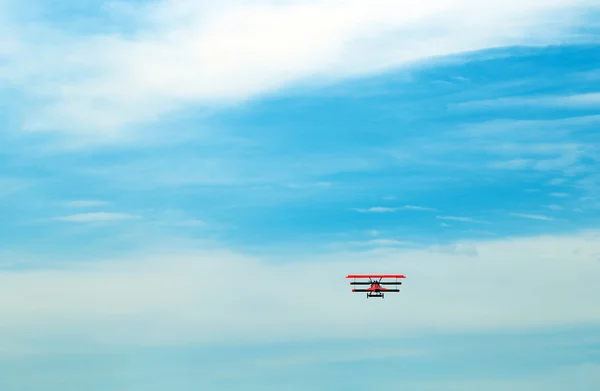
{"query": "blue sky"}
pixel 151 150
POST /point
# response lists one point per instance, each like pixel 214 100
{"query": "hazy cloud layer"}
pixel 176 53
pixel 217 296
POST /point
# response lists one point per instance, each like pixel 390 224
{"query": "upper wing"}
pixel 375 276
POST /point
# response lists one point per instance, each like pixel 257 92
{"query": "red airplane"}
pixel 375 289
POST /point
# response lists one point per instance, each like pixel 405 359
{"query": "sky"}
pixel 184 186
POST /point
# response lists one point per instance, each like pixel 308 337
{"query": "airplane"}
pixel 375 289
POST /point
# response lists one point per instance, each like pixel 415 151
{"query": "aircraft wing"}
pixel 375 276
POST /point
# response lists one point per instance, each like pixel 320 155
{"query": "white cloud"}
pixel 387 209
pixel 542 145
pixel 557 181
pixel 230 167
pixel 513 164
pixel 334 355
pixel 423 208
pixel 377 209
pixel 381 243
pixel 180 52
pixel 559 195
pixel 592 75
pixel 532 216
pixel 586 100
pixel 95 217
pixel 566 160
pixel 10 185
pixel 178 218
pixel 580 377
pixel 455 249
pixel 458 218
pixel 86 203
pixel 217 296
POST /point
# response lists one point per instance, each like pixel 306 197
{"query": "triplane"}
pixel 375 288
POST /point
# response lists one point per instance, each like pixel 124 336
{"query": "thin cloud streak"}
pixel 96 217
pixel 587 100
pixel 388 209
pixel 86 203
pixel 532 216
pixel 458 218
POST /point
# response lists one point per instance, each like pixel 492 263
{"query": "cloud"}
pixel 232 165
pixel 513 164
pixel 455 249
pixel 583 376
pixel 9 185
pixel 458 218
pixel 593 75
pixel 337 356
pixel 387 209
pixel 532 216
pixel 176 53
pixel 381 243
pixel 414 207
pixel 557 147
pixel 86 203
pixel 557 181
pixel 565 160
pixel 215 296
pixel 587 100
pixel 377 209
pixel 542 145
pixel 95 217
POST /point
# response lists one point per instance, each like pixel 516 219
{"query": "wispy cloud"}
pixel 337 356
pixel 557 181
pixel 96 217
pixel 377 209
pixel 513 164
pixel 382 243
pixel 10 185
pixel 86 203
pixel 458 218
pixel 533 216
pixel 423 208
pixel 557 146
pixel 455 249
pixel 587 100
pixel 176 51
pixel 388 209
